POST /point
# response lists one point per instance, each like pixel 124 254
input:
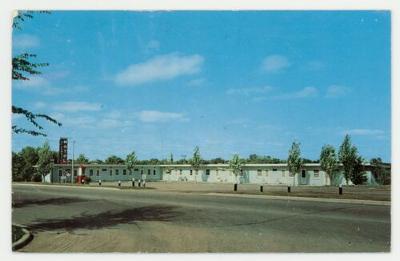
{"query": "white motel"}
pixel 265 174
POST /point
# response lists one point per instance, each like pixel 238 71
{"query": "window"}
pixel 60 172
pixel 141 171
pixel 97 173
pixel 207 172
pixel 303 173
pixel 110 172
pixel 104 170
pixel 274 169
pixel 75 172
pixel 124 172
pixel 154 172
pixel 259 172
pixel 148 172
pixel 316 173
pixel 136 170
pixel 191 172
pixel 116 171
pixel 180 172
pixel 91 172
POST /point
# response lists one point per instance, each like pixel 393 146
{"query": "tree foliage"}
pixel 114 160
pixel 131 161
pixel 45 160
pixel 236 164
pixel 22 68
pixel 381 175
pixel 328 161
pixel 294 161
pixel 348 155
pixel 358 174
pixel 82 159
pixel 196 159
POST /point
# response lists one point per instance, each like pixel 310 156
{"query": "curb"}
pixel 330 200
pixel 24 240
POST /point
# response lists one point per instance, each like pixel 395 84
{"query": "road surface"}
pixel 70 219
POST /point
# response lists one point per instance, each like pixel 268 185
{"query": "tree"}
pixel 358 173
pixel 381 175
pixel 171 158
pixel 17 166
pixel 294 161
pixel 114 160
pixel 82 159
pixel 45 160
pixel 236 164
pixel 22 68
pixel 131 161
pixel 348 157
pixel 328 162
pixel 30 158
pixel 196 160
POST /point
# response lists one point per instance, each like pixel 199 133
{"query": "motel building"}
pixel 265 174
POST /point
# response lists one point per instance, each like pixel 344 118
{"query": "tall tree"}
pixel 294 161
pixel 131 161
pixel 45 160
pixel 196 160
pixel 22 68
pixel 17 166
pixel 236 165
pixel 30 158
pixel 328 161
pixel 358 173
pixel 348 157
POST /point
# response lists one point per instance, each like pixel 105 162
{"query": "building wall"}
pixel 271 174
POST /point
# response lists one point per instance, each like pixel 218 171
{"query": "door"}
pixel 303 177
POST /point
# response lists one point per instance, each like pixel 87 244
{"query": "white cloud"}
pixel 275 63
pixel 44 86
pixel 334 91
pixel 364 132
pixel 307 92
pixel 249 91
pixel 159 68
pixel 74 106
pixel 24 41
pixel 158 116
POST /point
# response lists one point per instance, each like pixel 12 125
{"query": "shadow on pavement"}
pixel 20 203
pixel 107 219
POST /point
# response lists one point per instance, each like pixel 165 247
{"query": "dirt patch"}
pixel 107 219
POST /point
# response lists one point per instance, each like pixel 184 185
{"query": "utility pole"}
pixel 73 157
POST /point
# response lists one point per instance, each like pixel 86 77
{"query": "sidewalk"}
pixel 354 194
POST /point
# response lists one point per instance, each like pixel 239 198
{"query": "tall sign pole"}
pixel 73 158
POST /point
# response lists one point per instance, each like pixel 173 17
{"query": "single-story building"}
pixel 268 174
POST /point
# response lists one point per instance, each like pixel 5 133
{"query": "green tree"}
pixel 294 161
pixel 114 160
pixel 171 158
pixel 358 173
pixel 328 160
pixel 236 165
pixel 82 159
pixel 30 158
pixel 195 161
pixel 131 161
pixel 348 157
pixel 22 68
pixel 45 160
pixel 378 170
pixel 17 166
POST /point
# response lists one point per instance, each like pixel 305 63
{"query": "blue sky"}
pixel 229 82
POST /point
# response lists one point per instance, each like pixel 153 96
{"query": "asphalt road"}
pixel 68 219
